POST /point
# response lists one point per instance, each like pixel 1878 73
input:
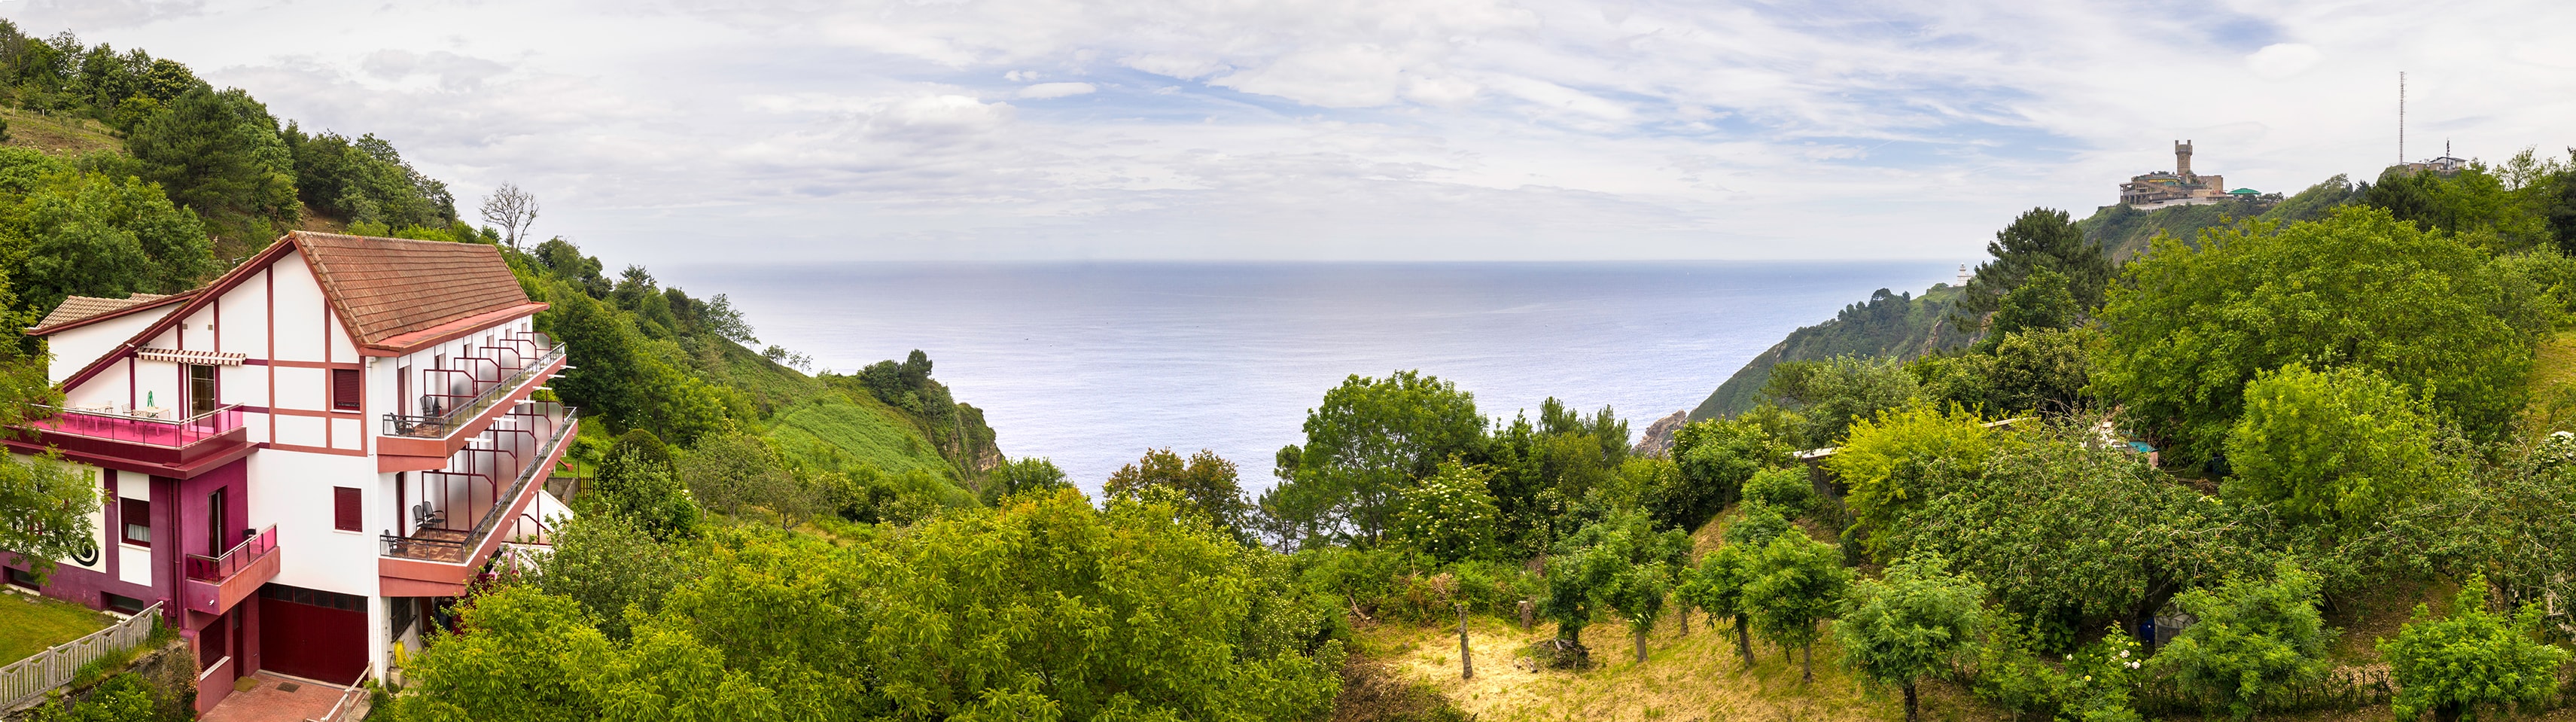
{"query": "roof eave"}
pixel 399 344
pixel 118 313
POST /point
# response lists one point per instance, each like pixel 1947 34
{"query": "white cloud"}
pixel 1354 128
pixel 2282 60
pixel 1056 90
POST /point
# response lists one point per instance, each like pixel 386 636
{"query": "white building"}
pixel 309 457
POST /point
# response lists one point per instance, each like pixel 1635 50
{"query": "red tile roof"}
pixel 388 287
pixel 82 310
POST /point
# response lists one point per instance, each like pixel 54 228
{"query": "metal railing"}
pixel 39 673
pixel 223 566
pixel 446 420
pixel 454 550
pixel 347 707
pixel 136 429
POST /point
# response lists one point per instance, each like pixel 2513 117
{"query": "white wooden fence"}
pixel 41 672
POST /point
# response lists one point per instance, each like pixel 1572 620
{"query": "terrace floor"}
pixel 30 623
pixel 279 699
pixel 437 545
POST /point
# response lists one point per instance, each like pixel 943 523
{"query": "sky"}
pixel 764 131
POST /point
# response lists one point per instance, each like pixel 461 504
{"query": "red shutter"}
pixel 344 389
pixel 344 509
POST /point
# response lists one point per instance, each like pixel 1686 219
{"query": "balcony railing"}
pixel 549 423
pixel 223 566
pixel 141 429
pixel 446 412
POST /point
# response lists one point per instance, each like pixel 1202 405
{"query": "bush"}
pixel 1787 490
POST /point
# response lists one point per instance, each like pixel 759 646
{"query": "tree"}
pixel 1785 489
pixel 219 153
pixel 2190 326
pixel 638 482
pixel 1887 462
pixel 608 564
pixel 1620 564
pixel 2042 302
pixel 512 210
pixel 1449 515
pixel 2470 659
pixel 45 508
pixel 1716 458
pixel 1024 475
pixel 2254 640
pixel 2338 446
pixel 1206 485
pixel 731 470
pixel 1795 583
pixel 1367 441
pixel 1833 394
pixel 1915 623
pixel 2039 240
pixel 2042 370
pixel 1716 586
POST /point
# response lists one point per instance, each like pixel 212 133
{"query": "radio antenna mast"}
pixel 2401 117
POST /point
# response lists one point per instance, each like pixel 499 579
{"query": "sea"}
pixel 1091 364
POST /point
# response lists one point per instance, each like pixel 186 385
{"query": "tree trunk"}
pixel 1685 620
pixel 1807 663
pixel 1640 634
pixel 1466 659
pixel 1744 641
pixel 1910 714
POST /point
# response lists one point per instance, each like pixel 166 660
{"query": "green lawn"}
pixel 29 624
pixel 864 431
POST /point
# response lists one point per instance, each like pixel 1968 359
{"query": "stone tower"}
pixel 2182 159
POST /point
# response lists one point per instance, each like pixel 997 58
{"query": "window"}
pixel 23 578
pixel 344 509
pixel 344 389
pixel 121 603
pixel 201 389
pixel 216 543
pixel 135 517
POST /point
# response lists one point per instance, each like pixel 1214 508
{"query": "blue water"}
pixel 1091 364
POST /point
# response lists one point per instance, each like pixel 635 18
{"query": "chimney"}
pixel 2182 158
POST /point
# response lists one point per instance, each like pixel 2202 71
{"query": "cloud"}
pixel 2282 60
pixel 1355 128
pixel 1056 90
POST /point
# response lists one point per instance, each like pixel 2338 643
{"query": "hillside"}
pixel 1905 328
pixel 1888 324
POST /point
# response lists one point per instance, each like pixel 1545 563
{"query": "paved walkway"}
pixel 276 699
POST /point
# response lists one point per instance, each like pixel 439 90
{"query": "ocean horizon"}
pixel 1092 363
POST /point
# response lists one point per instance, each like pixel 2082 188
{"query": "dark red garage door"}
pixel 312 634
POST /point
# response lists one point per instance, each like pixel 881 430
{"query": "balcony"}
pixel 470 398
pixel 143 442
pixel 452 516
pixel 214 584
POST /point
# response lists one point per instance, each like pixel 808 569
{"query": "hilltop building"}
pixel 307 460
pixel 2445 166
pixel 2177 187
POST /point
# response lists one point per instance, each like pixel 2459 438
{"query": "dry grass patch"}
pixel 58 135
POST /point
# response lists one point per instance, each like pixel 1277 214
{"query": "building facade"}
pixel 2177 187
pixel 305 460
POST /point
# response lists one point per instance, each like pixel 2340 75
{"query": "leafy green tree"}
pixel 1888 461
pixel 1368 440
pixel 121 698
pixel 2042 302
pixel 1024 475
pixel 608 564
pixel 639 482
pixel 1619 564
pixel 732 470
pixel 2471 659
pixel 219 153
pixel 2040 240
pixel 1785 489
pixel 1833 394
pixel 1716 586
pixel 2043 370
pixel 2190 326
pixel 1206 483
pixel 2338 446
pixel 1915 623
pixel 365 180
pixel 1717 458
pixel 2254 640
pixel 1794 584
pixel 1449 515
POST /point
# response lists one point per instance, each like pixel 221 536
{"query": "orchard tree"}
pixel 2191 325
pixel 2339 446
pixel 1619 564
pixel 1915 623
pixel 1889 460
pixel 1716 587
pixel 2456 665
pixel 1206 484
pixel 1793 585
pixel 2254 639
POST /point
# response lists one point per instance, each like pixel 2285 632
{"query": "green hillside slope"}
pixel 1888 324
